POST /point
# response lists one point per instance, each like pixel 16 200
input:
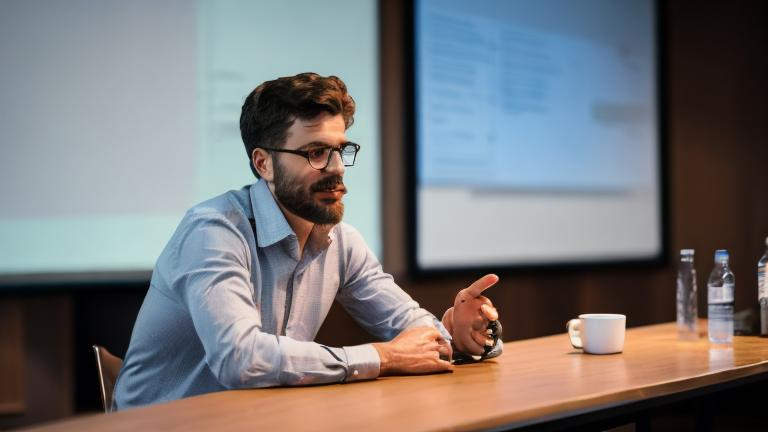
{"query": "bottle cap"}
pixel 686 251
pixel 721 255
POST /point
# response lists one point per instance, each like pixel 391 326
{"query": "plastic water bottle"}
pixel 762 291
pixel 720 290
pixel 687 309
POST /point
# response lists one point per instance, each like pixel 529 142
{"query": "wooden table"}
pixel 534 383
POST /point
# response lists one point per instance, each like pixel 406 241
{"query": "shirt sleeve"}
pixel 372 297
pixel 213 281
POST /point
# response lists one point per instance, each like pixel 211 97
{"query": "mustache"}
pixel 333 182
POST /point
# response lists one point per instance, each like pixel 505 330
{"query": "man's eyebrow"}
pixel 316 144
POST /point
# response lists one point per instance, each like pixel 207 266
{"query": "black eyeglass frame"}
pixel 306 155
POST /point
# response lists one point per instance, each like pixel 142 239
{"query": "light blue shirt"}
pixel 226 309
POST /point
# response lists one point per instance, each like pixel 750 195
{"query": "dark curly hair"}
pixel 272 107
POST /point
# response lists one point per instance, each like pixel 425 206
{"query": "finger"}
pixel 443 341
pixel 480 323
pixel 490 312
pixel 435 335
pixel 470 346
pixel 438 342
pixel 481 285
pixel 444 365
pixel 481 338
pixel 445 350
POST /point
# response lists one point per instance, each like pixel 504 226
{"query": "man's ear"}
pixel 262 161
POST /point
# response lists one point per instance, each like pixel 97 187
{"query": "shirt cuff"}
pixel 362 362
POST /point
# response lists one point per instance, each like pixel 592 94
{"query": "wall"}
pixel 717 162
pixel 44 340
pixel 718 167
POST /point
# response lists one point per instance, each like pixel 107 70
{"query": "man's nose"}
pixel 335 165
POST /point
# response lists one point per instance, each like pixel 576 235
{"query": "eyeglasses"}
pixel 319 157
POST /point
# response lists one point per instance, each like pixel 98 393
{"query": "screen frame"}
pixel 410 138
pixel 22 284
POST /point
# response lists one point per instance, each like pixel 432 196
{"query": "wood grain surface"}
pixel 535 380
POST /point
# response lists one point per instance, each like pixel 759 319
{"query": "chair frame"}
pixel 106 399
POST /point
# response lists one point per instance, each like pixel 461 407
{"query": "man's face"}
pixel 313 195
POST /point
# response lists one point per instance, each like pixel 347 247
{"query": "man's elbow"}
pixel 234 373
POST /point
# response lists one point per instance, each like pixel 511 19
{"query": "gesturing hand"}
pixel 468 319
pixel 415 351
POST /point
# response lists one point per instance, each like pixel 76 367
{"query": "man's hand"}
pixel 468 319
pixel 415 351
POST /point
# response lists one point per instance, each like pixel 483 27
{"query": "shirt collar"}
pixel 271 225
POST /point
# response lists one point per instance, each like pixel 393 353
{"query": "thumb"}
pixel 480 285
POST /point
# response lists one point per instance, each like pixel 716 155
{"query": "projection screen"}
pixel 537 134
pixel 117 116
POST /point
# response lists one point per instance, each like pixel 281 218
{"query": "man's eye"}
pixel 317 153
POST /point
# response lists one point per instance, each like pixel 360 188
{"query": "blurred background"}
pixel 118 116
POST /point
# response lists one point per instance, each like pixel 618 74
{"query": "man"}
pixel 241 289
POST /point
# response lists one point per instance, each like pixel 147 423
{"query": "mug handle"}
pixel 574 332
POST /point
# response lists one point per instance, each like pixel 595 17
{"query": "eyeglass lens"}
pixel 320 158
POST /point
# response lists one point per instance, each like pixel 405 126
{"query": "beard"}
pixel 299 200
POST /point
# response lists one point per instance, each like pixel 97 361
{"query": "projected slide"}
pixel 116 117
pixel 538 118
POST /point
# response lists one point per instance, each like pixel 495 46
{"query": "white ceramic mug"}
pixel 598 333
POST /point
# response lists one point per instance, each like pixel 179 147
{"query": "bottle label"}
pixel 762 289
pixel 723 294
